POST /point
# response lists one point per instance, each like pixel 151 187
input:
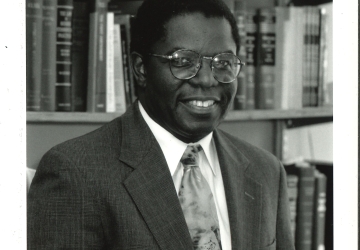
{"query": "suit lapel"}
pixel 243 195
pixel 150 184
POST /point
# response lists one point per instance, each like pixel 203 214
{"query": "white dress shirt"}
pixel 173 150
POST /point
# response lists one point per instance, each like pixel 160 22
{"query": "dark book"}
pixel 292 186
pixel 33 54
pixel 96 100
pixel 305 204
pixel 79 54
pixel 63 55
pixel 48 68
pixel 315 57
pixel 318 238
pixel 240 96
pixel 124 21
pixel 251 60
pixel 265 71
pixel 307 60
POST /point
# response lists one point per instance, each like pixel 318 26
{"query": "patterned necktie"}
pixel 197 203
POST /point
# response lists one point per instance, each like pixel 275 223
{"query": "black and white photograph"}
pixel 179 124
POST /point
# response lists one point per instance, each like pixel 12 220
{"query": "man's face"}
pixel 178 105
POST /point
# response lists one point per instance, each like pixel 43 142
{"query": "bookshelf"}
pixel 246 115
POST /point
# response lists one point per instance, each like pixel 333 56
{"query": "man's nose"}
pixel 204 76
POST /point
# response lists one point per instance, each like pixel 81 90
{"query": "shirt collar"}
pixel 172 147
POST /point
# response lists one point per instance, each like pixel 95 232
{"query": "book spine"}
pixel 251 59
pixel 307 60
pixel 63 55
pixel 315 48
pixel 240 96
pixel 322 49
pixel 110 85
pixel 79 54
pixel 123 20
pixel 33 54
pixel 266 59
pixel 100 88
pixel 280 85
pixel 48 69
pixel 319 212
pixel 292 186
pixel 92 64
pixel 304 222
pixel 120 100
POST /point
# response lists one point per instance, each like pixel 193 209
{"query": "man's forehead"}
pixel 196 31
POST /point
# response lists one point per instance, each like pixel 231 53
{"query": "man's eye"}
pixel 182 61
pixel 222 64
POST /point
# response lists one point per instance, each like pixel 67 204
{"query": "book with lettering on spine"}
pixel 315 57
pixel 48 62
pixel 79 55
pixel 318 238
pixel 120 99
pixel 265 71
pixel 292 187
pixel 124 21
pixel 110 69
pixel 240 96
pixel 34 27
pixel 96 99
pixel 63 55
pixel 251 58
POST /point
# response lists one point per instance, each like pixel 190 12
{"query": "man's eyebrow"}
pixel 212 54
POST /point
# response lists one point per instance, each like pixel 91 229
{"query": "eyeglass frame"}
pixel 198 66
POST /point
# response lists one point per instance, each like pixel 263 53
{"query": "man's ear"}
pixel 138 68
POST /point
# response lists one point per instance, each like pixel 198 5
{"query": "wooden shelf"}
pixel 245 115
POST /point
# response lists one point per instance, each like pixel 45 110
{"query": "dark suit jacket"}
pixel 112 189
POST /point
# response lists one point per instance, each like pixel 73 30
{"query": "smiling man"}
pixel 162 176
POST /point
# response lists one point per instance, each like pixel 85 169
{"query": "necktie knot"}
pixel 191 156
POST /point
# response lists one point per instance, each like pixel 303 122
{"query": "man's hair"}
pixel 149 24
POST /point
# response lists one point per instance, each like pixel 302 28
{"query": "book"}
pixel 326 73
pixel 96 98
pixel 124 22
pixel 120 99
pixel 265 71
pixel 280 88
pixel 79 55
pixel 318 238
pixel 33 54
pixel 292 187
pixel 48 62
pixel 305 203
pixel 289 62
pixel 251 60
pixel 314 55
pixel 240 96
pixel 63 55
pixel 110 84
pixel 307 57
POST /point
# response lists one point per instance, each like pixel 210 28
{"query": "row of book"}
pixel 286 51
pixel 307 190
pixel 77 57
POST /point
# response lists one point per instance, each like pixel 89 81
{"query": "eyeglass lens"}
pixel 185 65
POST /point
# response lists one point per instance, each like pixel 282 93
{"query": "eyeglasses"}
pixel 185 64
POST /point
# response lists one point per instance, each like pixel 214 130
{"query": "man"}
pixel 162 176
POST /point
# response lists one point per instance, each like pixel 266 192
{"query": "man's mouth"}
pixel 201 104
